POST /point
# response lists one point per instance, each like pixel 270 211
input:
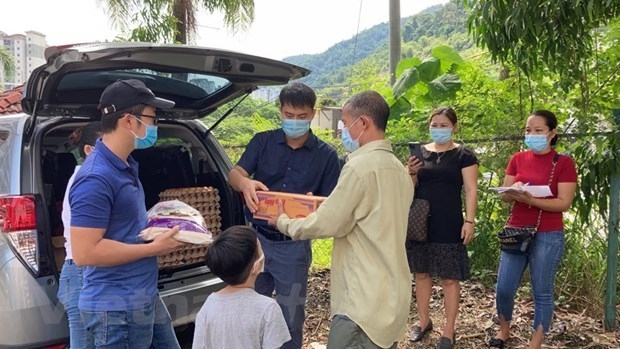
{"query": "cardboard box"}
pixel 295 205
pixel 58 242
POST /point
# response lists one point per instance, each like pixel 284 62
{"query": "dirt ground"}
pixel 475 325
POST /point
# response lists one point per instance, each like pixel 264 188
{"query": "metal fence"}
pixel 493 155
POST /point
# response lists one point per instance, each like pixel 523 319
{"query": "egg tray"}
pixel 204 199
pixel 190 254
pixel 207 201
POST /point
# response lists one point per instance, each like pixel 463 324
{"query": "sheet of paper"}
pixel 537 191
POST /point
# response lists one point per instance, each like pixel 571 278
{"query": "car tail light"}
pixel 18 222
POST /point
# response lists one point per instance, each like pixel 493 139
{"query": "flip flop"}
pixel 418 333
pixel 497 343
pixel 446 343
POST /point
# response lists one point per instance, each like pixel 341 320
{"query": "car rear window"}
pixel 185 88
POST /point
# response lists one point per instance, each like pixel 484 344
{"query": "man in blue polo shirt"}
pixel 119 302
pixel 290 159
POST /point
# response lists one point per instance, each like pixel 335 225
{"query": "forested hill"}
pixel 436 22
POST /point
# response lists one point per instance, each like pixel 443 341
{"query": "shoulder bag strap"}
pixel 555 161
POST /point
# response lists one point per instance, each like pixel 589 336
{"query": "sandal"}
pixel 446 343
pixel 418 334
pixel 497 343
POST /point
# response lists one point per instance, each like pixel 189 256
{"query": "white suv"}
pixel 36 163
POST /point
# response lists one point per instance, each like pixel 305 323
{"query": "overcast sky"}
pixel 281 27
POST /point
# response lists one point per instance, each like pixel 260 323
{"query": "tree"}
pixel 540 33
pixel 430 81
pixel 6 62
pixel 173 20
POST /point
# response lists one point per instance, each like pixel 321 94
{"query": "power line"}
pixel 208 27
pixel 357 33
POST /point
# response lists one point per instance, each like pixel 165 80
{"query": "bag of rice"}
pixel 166 214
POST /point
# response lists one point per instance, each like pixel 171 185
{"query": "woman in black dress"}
pixel 446 171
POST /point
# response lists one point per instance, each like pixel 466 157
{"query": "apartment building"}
pixel 28 53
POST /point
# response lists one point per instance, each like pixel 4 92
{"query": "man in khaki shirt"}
pixel 366 214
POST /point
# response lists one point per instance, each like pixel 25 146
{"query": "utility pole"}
pixel 394 38
pixel 611 279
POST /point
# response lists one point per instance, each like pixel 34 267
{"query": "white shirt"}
pixel 66 216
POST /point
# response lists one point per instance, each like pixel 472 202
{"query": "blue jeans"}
pixel 69 288
pixel 286 272
pixel 544 258
pixel 147 328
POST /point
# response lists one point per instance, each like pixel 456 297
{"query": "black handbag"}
pixel 417 227
pixel 517 239
pixel 520 239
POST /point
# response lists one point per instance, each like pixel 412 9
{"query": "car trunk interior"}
pixel 179 167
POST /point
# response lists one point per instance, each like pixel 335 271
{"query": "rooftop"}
pixel 10 101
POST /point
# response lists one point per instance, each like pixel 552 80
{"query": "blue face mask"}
pixel 349 143
pixel 536 142
pixel 149 138
pixel 295 128
pixel 441 135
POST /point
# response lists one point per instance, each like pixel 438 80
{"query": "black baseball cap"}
pixel 123 94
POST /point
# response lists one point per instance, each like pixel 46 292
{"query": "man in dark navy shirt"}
pixel 293 160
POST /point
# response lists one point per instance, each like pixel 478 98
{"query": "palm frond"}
pixel 119 12
pixel 7 62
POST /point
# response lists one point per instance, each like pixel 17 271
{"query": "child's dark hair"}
pixel 231 255
pixel 86 135
pixel 551 121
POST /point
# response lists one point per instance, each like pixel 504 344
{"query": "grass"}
pixel 322 253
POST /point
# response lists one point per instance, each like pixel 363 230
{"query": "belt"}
pixel 271 235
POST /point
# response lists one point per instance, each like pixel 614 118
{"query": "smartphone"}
pixel 416 150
